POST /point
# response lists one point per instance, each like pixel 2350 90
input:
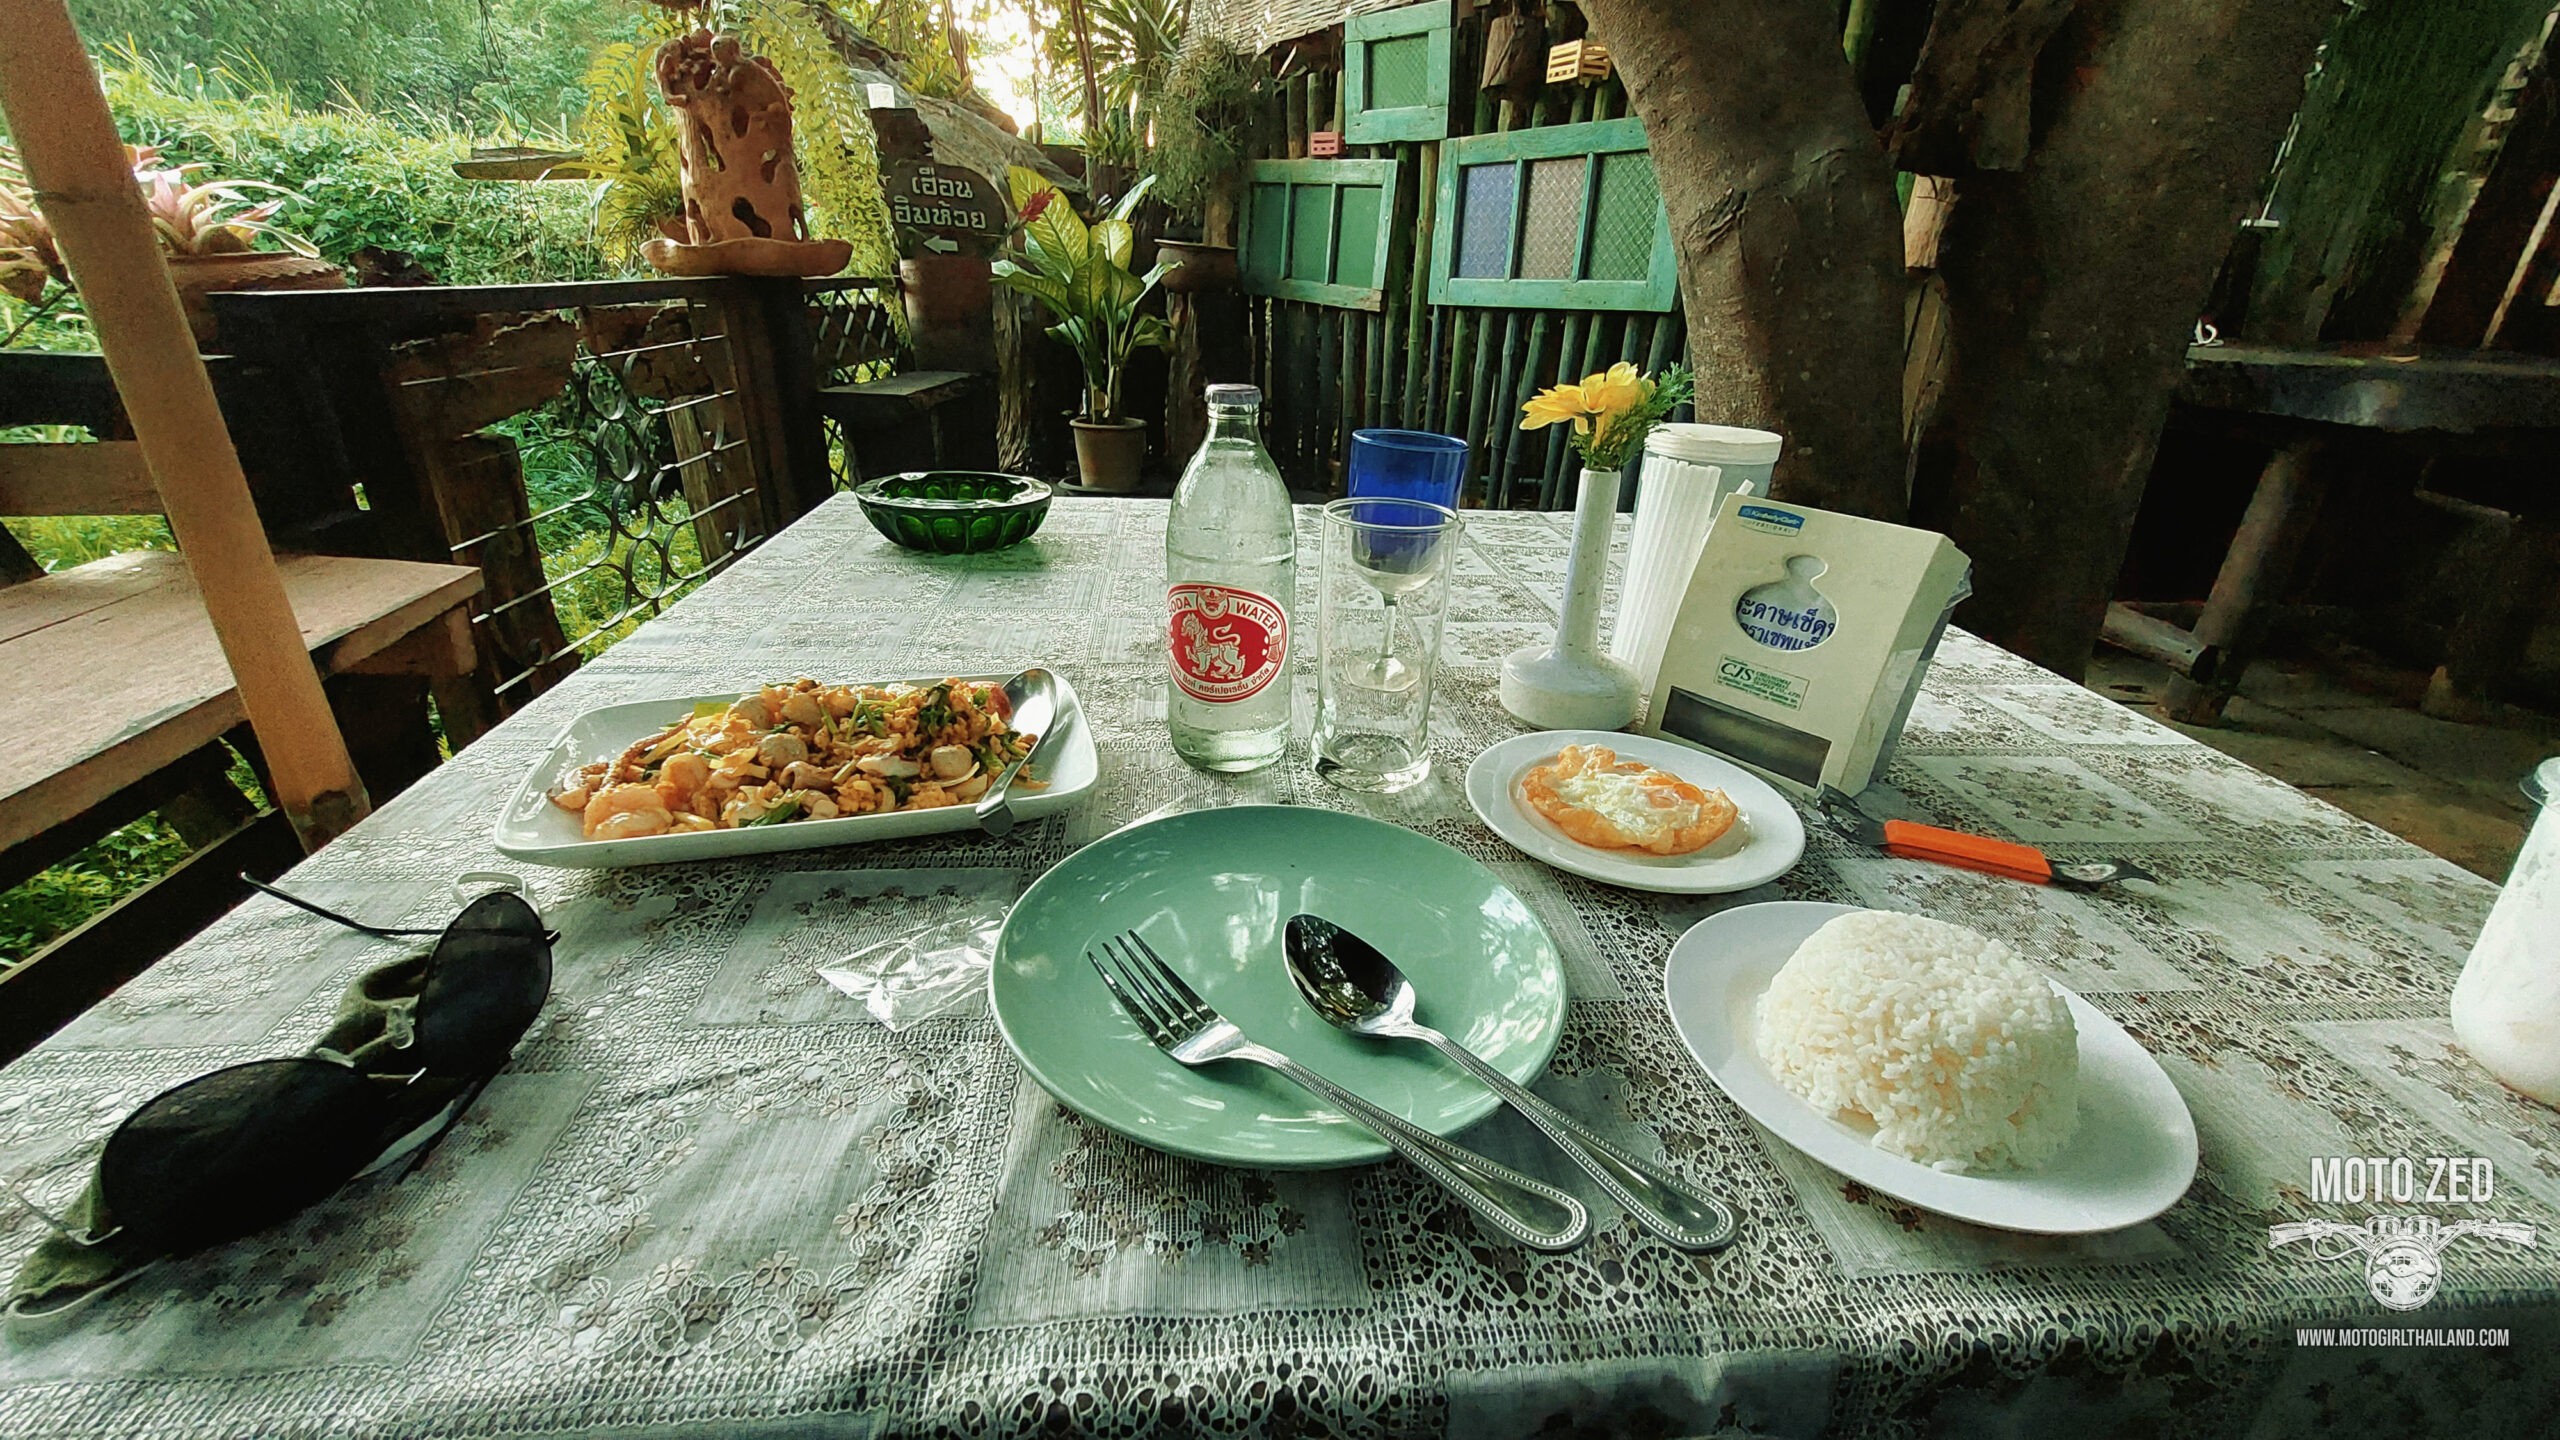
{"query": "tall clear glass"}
pixel 1382 594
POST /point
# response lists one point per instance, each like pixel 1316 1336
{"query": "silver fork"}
pixel 1183 1026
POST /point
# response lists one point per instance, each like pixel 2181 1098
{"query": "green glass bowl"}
pixel 955 512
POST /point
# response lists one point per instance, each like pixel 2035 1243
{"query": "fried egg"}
pixel 1597 799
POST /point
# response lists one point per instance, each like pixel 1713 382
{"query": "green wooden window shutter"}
pixel 1318 230
pixel 1396 74
pixel 1562 217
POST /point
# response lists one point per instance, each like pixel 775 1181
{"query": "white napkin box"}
pixel 1802 640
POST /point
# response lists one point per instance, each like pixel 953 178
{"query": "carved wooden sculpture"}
pixel 742 209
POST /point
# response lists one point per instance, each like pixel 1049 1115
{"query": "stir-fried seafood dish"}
pixel 802 751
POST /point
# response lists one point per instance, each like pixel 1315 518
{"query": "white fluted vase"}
pixel 1571 683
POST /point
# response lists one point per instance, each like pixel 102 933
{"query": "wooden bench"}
pixel 117 699
pixel 2432 400
pixel 915 420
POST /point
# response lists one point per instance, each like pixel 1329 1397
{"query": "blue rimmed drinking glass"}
pixel 1407 465
pixel 1390 465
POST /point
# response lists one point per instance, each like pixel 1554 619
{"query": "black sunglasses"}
pixel 232 1152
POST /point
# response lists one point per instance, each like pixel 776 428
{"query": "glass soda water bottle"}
pixel 1231 576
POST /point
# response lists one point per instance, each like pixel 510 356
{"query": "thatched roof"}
pixel 1254 26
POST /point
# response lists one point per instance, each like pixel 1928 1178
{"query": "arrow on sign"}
pixel 938 243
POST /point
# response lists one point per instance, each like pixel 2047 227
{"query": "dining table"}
pixel 711 1196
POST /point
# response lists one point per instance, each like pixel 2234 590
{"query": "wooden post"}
pixel 81 180
pixel 2251 583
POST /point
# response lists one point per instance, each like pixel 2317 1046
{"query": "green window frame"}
pixel 1318 230
pixel 1559 212
pixel 1382 50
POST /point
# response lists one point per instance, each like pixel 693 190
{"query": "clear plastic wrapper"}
pixel 915 977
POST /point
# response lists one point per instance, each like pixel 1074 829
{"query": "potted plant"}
pixel 1081 273
pixel 207 229
pixel 1203 120
pixel 28 260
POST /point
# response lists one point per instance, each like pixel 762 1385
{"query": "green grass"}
pixel 56 901
pixel 59 542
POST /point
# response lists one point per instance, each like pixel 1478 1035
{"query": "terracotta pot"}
pixel 1109 453
pixel 1204 267
pixel 198 276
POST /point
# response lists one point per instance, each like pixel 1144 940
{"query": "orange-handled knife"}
pixel 1914 841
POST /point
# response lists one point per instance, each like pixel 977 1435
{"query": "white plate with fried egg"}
pixel 1764 842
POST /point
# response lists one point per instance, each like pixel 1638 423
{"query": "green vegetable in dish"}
pixel 788 809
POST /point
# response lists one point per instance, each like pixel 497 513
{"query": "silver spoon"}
pixel 1353 987
pixel 1033 695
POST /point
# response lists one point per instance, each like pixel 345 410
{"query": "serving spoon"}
pixel 1032 701
pixel 1354 987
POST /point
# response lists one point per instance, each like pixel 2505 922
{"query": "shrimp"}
pixel 623 812
pixel 685 770
pixel 684 773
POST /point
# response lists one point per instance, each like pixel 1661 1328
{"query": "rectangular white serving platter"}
pixel 532 828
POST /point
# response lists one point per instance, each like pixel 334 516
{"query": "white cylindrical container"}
pixel 1688 471
pixel 2506 1006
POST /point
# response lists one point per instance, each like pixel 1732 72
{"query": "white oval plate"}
pixel 2132 1157
pixel 1763 844
pixel 532 828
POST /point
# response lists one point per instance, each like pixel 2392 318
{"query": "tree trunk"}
pixel 2401 84
pixel 2073 289
pixel 1789 243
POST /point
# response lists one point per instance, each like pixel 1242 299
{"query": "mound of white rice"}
pixel 1961 1053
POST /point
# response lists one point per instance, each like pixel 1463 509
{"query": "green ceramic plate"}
pixel 1210 891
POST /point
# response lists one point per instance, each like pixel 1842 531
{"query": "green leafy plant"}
pixel 1081 273
pixel 1204 120
pixel 364 179
pixel 832 139
pixel 209 217
pixel 629 138
pixel 1134 45
pixel 629 141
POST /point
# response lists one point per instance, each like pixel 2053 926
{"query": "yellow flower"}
pixel 1555 405
pixel 1616 392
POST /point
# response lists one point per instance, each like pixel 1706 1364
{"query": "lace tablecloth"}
pixel 711 1199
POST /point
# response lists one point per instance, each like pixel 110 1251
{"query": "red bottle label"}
pixel 1227 644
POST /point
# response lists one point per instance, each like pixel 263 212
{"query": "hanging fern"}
pixel 831 130
pixel 629 136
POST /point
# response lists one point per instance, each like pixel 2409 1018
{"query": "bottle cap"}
pixel 1716 444
pixel 1234 396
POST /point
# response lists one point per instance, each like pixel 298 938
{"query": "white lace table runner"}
pixel 710 1198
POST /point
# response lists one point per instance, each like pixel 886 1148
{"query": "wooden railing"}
pixel 667 425
pixel 596 449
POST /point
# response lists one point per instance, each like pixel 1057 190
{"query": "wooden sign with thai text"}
pixel 942 199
